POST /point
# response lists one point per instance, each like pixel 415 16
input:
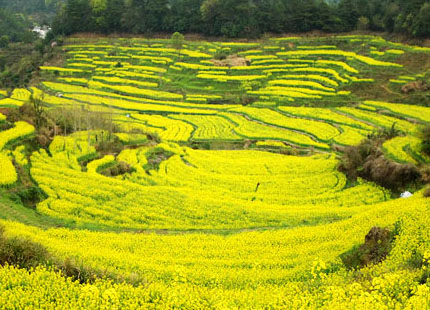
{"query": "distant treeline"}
pixel 18 16
pixel 31 6
pixel 243 18
pixel 17 19
pixel 39 11
pixel 14 28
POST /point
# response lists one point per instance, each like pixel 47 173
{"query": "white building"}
pixel 41 31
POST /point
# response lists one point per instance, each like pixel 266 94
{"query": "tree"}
pixel 4 41
pixel 112 14
pixel 231 18
pixel 15 26
pixel 363 23
pixel 77 16
pixel 301 15
pixel 212 17
pixel 153 15
pixel 328 20
pixel 409 9
pixel 421 25
pixel 348 12
pixel 131 17
pixel 375 14
pixel 185 16
pixel 389 19
pixel 98 16
pixel 39 110
pixel 270 15
pixel 177 40
pixel 411 6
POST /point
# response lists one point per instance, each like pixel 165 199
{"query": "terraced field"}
pixel 210 211
pixel 150 77
pixel 256 193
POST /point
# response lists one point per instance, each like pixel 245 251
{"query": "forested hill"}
pixel 243 18
pixel 31 6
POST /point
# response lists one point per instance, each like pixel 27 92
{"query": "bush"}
pixel 23 253
pixel 177 40
pixel 425 174
pixel 247 99
pixel 71 269
pixel 112 146
pixel 154 137
pixel 386 133
pixel 155 156
pixel 355 157
pixel 30 196
pixel 421 23
pixel 119 168
pixel 368 162
pixel 390 174
pixel 4 41
pixel 377 245
pixel 220 55
pixel 363 23
pixel 425 137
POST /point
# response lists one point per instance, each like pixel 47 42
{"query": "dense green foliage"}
pixel 425 137
pixel 17 64
pixel 13 28
pixel 243 18
pixel 30 6
pixel 41 11
pixel 19 54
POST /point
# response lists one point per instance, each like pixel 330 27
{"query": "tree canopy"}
pixel 232 18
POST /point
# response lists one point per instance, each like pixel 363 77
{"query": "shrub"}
pixel 355 157
pixel 119 168
pixel 70 268
pixel 4 41
pixel 30 196
pixel 220 55
pixel 112 146
pixel 386 133
pixel 247 99
pixel 177 40
pixel 155 156
pixel 377 245
pixel 425 137
pixel 20 252
pixel 427 192
pixel 425 174
pixel 154 137
pixel 390 174
pixel 367 161
pixel 25 253
pixel 363 23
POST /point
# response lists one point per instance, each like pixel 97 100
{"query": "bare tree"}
pixel 88 129
pixel 39 109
